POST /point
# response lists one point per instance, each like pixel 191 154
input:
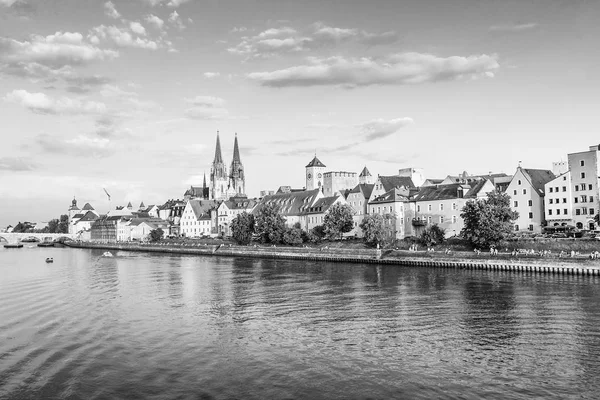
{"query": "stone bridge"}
pixel 17 237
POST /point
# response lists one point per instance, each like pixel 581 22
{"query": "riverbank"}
pixel 577 265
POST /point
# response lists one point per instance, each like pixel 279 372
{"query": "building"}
pixel 526 190
pixel 442 205
pixel 417 175
pixel 222 184
pixel 229 209
pixel 292 205
pixel 314 174
pixel 75 215
pixel 104 229
pixel 393 204
pixel 171 212
pixel 384 184
pixel 197 192
pixel 140 228
pixel 315 214
pixel 358 199
pixel 558 201
pixel 585 173
pixel 199 218
pixel 365 177
pixel 338 181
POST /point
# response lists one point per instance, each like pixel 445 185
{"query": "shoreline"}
pixel 524 263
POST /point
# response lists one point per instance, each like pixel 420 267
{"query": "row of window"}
pixel 556 201
pixel 555 189
pixel 582 187
pixel 565 211
pixel 529 203
pixel 530 227
pixel 584 199
pixel 429 207
pixel 584 211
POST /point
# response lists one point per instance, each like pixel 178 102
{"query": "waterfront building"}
pixel 171 212
pixel 229 209
pixel 83 224
pixel 585 173
pixel 526 190
pixel 558 201
pixel 75 215
pixel 358 199
pixel 384 184
pixel 442 205
pixel 314 174
pixel 292 205
pixel 314 215
pixel 199 218
pixel 222 184
pixel 338 181
pixel 393 204
pixel 140 228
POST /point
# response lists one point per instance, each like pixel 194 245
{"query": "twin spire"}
pixel 219 155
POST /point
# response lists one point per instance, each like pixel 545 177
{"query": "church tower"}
pixel 237 181
pixel 205 189
pixel 218 175
pixel 314 174
pixel 365 177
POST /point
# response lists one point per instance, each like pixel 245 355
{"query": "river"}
pixel 154 326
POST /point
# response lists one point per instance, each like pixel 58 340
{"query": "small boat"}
pixel 107 254
pixel 45 244
pixel 13 246
pixel 30 240
pixel 49 260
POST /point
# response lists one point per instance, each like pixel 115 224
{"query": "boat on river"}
pixel 45 244
pixel 49 260
pixel 13 246
pixel 107 254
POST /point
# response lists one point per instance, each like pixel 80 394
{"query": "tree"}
pixel 269 225
pixel 316 234
pixel 377 228
pixel 242 228
pixel 488 221
pixel 156 234
pixel 433 235
pixel 23 227
pixel 53 226
pixel 63 225
pixel 338 221
pixel 292 236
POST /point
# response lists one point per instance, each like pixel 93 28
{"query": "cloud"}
pixel 206 107
pixel 120 37
pixel 41 104
pixel 16 164
pixel 175 20
pixel 236 29
pixel 110 10
pixel 115 91
pixel 513 27
pixel 154 20
pixel 177 3
pixel 210 75
pixel 170 3
pixel 79 146
pixel 57 50
pixel 138 28
pixel 8 3
pixel 397 69
pixel 380 128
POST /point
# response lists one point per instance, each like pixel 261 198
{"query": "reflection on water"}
pixel 160 326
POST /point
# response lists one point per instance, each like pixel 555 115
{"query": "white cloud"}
pixel 110 10
pixel 120 37
pixel 177 3
pixel 175 20
pixel 116 91
pixel 380 128
pixel 59 49
pixel 210 75
pixel 154 20
pixel 236 29
pixel 81 146
pixel 514 27
pixel 138 28
pixel 206 107
pixel 15 164
pixel 397 69
pixel 206 101
pixel 276 32
pixel 42 104
pixel 8 3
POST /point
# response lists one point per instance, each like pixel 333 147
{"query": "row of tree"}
pixel 54 226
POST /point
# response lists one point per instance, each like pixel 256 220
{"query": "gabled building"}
pixel 358 199
pixel 384 184
pixel 365 177
pixel 171 212
pixel 140 228
pixel 229 209
pixel 338 181
pixel 314 215
pixel 291 205
pixel 585 188
pixel 558 201
pixel 442 205
pixel 199 218
pixel 84 223
pixel 526 190
pixel 393 203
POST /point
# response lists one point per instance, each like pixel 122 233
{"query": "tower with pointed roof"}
pixel 314 174
pixel 205 189
pixel 237 182
pixel 365 177
pixel 219 180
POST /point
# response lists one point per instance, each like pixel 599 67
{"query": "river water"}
pixel 153 326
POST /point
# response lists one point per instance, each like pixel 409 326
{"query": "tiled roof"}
pixel 315 163
pixel 78 216
pixel 321 205
pixel 365 172
pixel 87 207
pixel 538 177
pixel 450 191
pixel 394 181
pixel 391 196
pixel 365 188
pixel 239 203
pixel 202 208
pixel 293 203
pixel 89 216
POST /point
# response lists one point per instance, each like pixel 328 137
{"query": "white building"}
pixel 199 218
pixel 585 173
pixel 526 190
pixel 228 210
pixel 558 201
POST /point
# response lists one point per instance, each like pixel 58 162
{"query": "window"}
pixel 564 199
pixel 429 207
pixel 577 188
pixel 564 178
pixel 582 163
pixel 530 202
pixel 515 192
pixel 530 215
pixel 429 219
pixel 516 203
pixel 550 201
pixel 583 175
pixel 591 211
pixel 584 198
pixel 454 206
pixel 549 212
pixel 591 199
pixel 565 211
pixel 441 207
pixel 557 211
pixel 516 227
pixel 551 190
pixel 590 186
pixel 441 220
pixel 418 208
pixel 530 227
pixel 577 211
pixel 584 210
pixel 519 182
pixel 454 219
pixel 524 191
pixel 564 188
pixel 576 200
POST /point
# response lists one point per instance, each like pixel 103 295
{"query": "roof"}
pixel 315 163
pixel 89 216
pixel 194 191
pixel 538 177
pixel 172 203
pixel 321 205
pixel 142 205
pixel 153 222
pixel 236 151
pixel 129 205
pixel 239 203
pixel 450 191
pixel 87 207
pixel 395 181
pixel 365 188
pixel 365 172
pixel 202 208
pixel 218 155
pixel 294 203
pixel 391 196
pixel 80 215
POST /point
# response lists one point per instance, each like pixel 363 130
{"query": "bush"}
pixel 338 221
pixel 156 234
pixel 242 228
pixel 376 229
pixel 292 236
pixel 316 234
pixel 432 235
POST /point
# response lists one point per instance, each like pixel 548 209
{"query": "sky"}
pixel 128 95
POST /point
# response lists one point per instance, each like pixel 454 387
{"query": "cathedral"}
pixel 222 185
